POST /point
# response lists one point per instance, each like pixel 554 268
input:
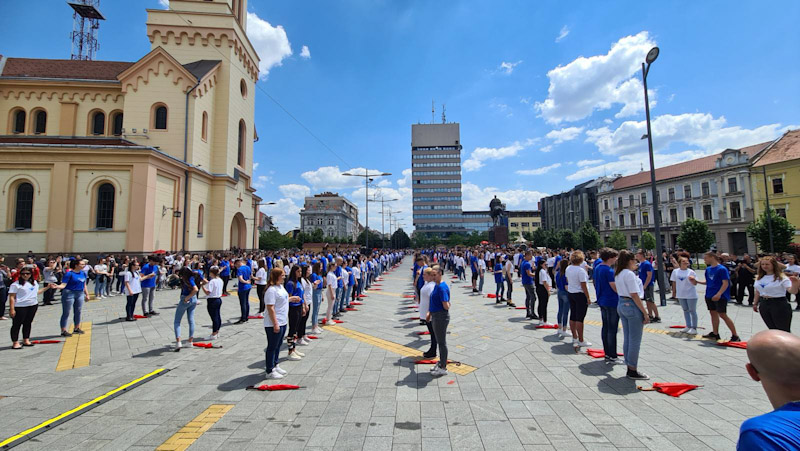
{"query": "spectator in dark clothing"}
pixel 745 278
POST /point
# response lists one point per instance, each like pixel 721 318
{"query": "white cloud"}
pixel 384 183
pixel 477 198
pixel 481 154
pixel 633 163
pixel 271 43
pixel 695 129
pixel 285 214
pixel 546 148
pixel 525 100
pixel 305 53
pixel 507 67
pixel 598 82
pixel 565 134
pixel 330 177
pixel 539 171
pixel 164 3
pixel 406 180
pixel 255 166
pixel 261 181
pixel 563 33
pixel 583 163
pixel 295 191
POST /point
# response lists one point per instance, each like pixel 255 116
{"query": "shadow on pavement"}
pixel 241 383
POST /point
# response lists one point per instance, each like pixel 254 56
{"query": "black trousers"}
pixel 509 288
pixel 432 349
pixel 3 298
pixel 49 295
pixel 776 313
pixel 23 317
pixel 295 319
pixel 740 292
pixel 260 290
pixel 543 295
pixel 130 305
pixel 530 299
pixel 225 280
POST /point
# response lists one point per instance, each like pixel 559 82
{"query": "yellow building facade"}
pixel 106 156
pixel 521 221
pixel 780 163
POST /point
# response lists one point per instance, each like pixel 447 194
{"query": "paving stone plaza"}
pixel 361 388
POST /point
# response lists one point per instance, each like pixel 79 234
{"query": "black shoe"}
pixel 65 334
pixel 534 316
pixel 238 322
pixel 711 336
pixel 429 354
pixel 636 375
pixel 656 320
pixel 511 304
pixel 78 331
pixel 153 313
pixel 735 338
pixel 130 319
pixel 48 303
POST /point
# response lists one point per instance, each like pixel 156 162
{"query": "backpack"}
pixel 91 274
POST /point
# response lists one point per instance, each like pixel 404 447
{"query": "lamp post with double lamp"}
pixel 391 213
pixel 255 220
pixel 367 178
pixel 382 200
pixel 652 55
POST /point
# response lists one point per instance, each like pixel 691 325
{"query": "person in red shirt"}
pixel 20 263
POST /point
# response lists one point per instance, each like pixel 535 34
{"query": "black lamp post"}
pixel 367 178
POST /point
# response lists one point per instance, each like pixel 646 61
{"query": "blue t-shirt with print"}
pixel 523 269
pixel 245 273
pixel 75 280
pixel 715 275
pixel 777 430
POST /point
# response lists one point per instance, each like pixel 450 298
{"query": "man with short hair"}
pixel 149 273
pixel 526 270
pixel 775 362
pixel 646 274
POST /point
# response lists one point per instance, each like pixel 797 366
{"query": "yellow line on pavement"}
pixel 195 428
pixel 396 348
pixel 77 349
pixel 652 331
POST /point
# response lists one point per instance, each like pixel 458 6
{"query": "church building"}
pixel 112 156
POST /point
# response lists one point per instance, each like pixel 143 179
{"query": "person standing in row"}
pixel 526 271
pixel 149 277
pixel 439 314
pixel 308 295
pixel 295 290
pixel 563 299
pixel 686 292
pixel 49 277
pixel 745 278
pixel 213 292
pixel 244 275
pixel 632 312
pixel 100 276
pixel 190 285
pixel 225 273
pixel 792 269
pixel 424 306
pixel 275 321
pixel 718 293
pixel 579 300
pixel 133 286
pixel 772 287
pixel 316 299
pixel 23 303
pixel 498 280
pixel 331 281
pixel 508 275
pixel 647 274
pixel 543 284
pixel 74 295
pixel 260 280
pixel 608 300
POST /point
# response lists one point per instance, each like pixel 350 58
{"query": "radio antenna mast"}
pixel 433 109
pixel 85 23
pixel 444 118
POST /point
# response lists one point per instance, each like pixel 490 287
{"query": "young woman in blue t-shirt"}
pixel 190 285
pixel 295 290
pixel 498 280
pixel 74 295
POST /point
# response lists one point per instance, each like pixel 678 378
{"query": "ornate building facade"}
pixel 336 216
pixel 134 156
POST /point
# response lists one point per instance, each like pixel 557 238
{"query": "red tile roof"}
pixel 681 169
pixel 76 69
pixel 65 140
pixel 785 149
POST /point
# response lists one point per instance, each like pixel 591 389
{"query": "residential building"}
pixel 265 222
pixel 522 221
pixel 715 188
pixel 334 214
pixel 781 164
pixel 134 156
pixel 436 178
pixel 570 209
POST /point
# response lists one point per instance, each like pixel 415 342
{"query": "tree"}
pixel 695 236
pixel 512 236
pixel 528 236
pixel 455 240
pixel 539 237
pixel 275 240
pixel 648 242
pixel 782 232
pixel 552 239
pixel 567 239
pixel 317 236
pixel 589 237
pixel 617 241
pixel 475 238
pixel 374 239
pixel 400 239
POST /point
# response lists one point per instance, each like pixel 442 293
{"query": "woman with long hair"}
pixel 260 280
pixel 632 311
pixel 133 287
pixel 308 294
pixel 792 269
pixel 23 304
pixel 543 284
pixel 579 300
pixel 190 285
pixel 295 289
pixel 685 291
pixel 213 290
pixel 331 281
pixel 277 302
pixel 74 295
pixel 772 288
pixel 562 317
pixel 316 297
pixel 608 300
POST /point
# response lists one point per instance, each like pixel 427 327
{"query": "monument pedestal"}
pixel 498 235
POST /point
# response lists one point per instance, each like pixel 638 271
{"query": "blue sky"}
pixel 548 94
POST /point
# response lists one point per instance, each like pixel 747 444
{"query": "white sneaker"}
pixel 274 374
pixel 575 341
pixel 280 370
pixel 685 330
pixel 178 345
pixel 301 342
pixel 316 330
pixel 298 353
pixel 584 344
pixel 439 372
pixel 213 337
pixel 541 323
pixel 294 356
pixel 692 331
pixel 306 341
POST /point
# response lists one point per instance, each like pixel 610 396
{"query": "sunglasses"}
pixel 24 274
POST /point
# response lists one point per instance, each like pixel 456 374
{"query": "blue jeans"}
pixel 214 305
pixel 632 327
pixel 72 299
pixel 689 312
pixel 188 308
pixel 563 308
pixel 316 301
pixel 99 287
pixel 244 303
pixel 480 284
pixel 346 298
pixel 609 330
pixel 273 347
pixel 338 304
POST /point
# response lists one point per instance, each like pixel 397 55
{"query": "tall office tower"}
pixel 436 178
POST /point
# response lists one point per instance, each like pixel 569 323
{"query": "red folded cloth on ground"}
pixel 140 316
pixel 205 345
pixel 423 333
pixel 275 387
pixel 362 295
pixel 45 342
pixel 412 306
pixel 375 289
pixel 408 296
pixel 674 389
pixel 597 353
pixel 454 277
pixel 351 309
pixel 520 308
pixel 379 279
pixel 313 337
pixel 225 294
pixel 734 344
pixel 430 361
pixel 677 327
pixel 337 321
pixel 547 326
pixel 253 317
pixel 324 320
pixel 414 317
pixel 491 295
pixel 356 303
pixel 376 285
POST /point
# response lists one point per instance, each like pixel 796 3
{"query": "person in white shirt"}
pixel 308 295
pixel 331 280
pixel 543 286
pixel 275 321
pixel 578 293
pixel 261 286
pixel 792 269
pixel 424 305
pixel 100 278
pixel 632 311
pixel 481 274
pixel 508 275
pixel 133 286
pixel 23 303
pixel 771 288
pixel 213 290
pixel 685 290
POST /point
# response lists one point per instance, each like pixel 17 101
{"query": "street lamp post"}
pixel 367 179
pixel 383 231
pixel 651 57
pixel 255 219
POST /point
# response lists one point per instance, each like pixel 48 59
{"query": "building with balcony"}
pixel 570 209
pixel 716 189
pixel 335 215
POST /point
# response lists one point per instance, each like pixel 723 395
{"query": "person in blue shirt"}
pixel 718 293
pixel 339 305
pixel 526 271
pixel 563 299
pixel 775 362
pixel 473 265
pixel 149 273
pixel 439 315
pixel 498 280
pixel 607 299
pixel 190 285
pixel 225 274
pixel 74 295
pixel 244 276
pixel 647 276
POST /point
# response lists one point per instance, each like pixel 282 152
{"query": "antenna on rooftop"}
pixel 85 23
pixel 641 167
pixel 433 110
pixel 444 118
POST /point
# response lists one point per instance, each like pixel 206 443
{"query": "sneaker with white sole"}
pixel 575 341
pixel 280 370
pixel 307 341
pixel 685 330
pixel 316 330
pixel 301 342
pixel 692 331
pixel 438 372
pixel 584 344
pixel 274 374
pixel 178 345
pixel 294 356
